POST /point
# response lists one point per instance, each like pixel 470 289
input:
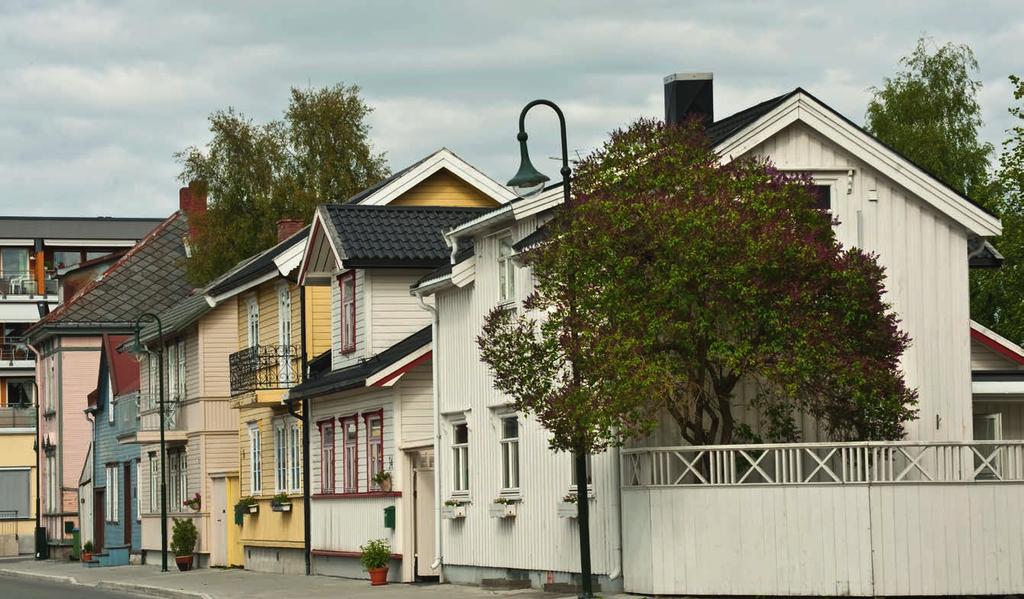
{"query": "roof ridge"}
pixel 64 307
pixel 407 207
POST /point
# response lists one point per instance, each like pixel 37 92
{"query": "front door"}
pixel 219 511
pixel 99 518
pixel 423 513
pixel 129 517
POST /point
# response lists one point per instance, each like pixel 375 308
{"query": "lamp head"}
pixel 528 181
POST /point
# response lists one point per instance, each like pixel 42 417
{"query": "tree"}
pixel 996 299
pixel 669 279
pixel 258 173
pixel 930 113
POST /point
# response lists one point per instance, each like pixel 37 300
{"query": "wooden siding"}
pixel 863 540
pixel 444 188
pixel 346 404
pixel 264 418
pixel 1012 409
pixel 345 524
pixel 338 359
pixel 984 358
pixel 318 320
pixel 924 255
pixel 394 312
pixel 217 340
pixel 416 401
pixel 78 370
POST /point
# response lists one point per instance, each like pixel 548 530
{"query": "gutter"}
pixel 438 545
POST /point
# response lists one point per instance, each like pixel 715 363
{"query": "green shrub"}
pixel 183 536
pixel 376 554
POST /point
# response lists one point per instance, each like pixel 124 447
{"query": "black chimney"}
pixel 688 94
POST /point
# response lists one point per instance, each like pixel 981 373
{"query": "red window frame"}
pixel 324 470
pixel 354 488
pixel 380 453
pixel 350 347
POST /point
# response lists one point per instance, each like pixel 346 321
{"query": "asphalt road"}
pixel 23 588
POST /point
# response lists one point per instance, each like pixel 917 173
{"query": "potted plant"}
pixel 569 506
pixel 245 505
pixel 383 480
pixel 281 503
pixel 503 507
pixel 375 558
pixel 454 509
pixel 87 552
pixel 194 503
pixel 183 542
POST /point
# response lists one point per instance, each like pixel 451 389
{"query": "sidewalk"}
pixel 229 584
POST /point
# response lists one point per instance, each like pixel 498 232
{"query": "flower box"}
pixel 503 510
pixel 453 512
pixel 568 509
pixel 254 509
pixel 281 507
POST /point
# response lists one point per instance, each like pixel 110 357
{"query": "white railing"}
pixel 824 463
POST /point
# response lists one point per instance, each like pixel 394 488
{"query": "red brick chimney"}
pixel 286 227
pixel 192 201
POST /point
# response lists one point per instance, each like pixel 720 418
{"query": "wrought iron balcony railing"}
pixel 264 367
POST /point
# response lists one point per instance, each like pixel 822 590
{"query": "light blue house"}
pixel 113 408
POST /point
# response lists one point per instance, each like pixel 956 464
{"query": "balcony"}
pixel 147 429
pixel 17 417
pixel 264 367
pixel 14 353
pixel 23 282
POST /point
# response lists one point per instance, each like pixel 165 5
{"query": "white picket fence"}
pixel 825 519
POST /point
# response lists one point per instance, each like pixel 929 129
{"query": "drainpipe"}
pixel 616 507
pixel 437 428
pixel 303 368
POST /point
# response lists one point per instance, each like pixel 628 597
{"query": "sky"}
pixel 96 97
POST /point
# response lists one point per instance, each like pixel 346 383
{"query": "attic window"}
pixel 822 197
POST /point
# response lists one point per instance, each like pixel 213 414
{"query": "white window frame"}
pixel 181 387
pixel 327 459
pixel 110 401
pixel 506 268
pixel 154 483
pixel 347 315
pixel 510 458
pixel 349 454
pixel 281 457
pixel 295 456
pixel 460 460
pixel 111 494
pixel 374 448
pixel 138 489
pixel 255 460
pixel 51 483
pixel 252 310
pixel 284 334
pixel 172 370
pixel 994 463
pixel 573 484
pixel 153 372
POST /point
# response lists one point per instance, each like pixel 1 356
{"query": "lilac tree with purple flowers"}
pixel 670 281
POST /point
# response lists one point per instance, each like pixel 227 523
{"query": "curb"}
pixel 153 591
pixel 38 576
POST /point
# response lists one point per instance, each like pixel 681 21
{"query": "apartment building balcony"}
pixel 25 283
pixel 148 421
pixel 261 374
pixel 20 418
pixel 15 355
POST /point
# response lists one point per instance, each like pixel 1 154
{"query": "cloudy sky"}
pixel 95 97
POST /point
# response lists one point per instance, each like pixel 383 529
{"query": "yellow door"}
pixel 235 554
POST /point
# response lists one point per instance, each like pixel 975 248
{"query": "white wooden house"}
pixel 371 406
pixel 914 517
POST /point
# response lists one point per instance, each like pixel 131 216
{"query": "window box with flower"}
pixel 382 480
pixel 281 503
pixel 569 506
pixel 245 505
pixel 195 503
pixel 454 509
pixel 504 507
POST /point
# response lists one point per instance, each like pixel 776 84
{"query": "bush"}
pixel 183 537
pixel 87 547
pixel 376 554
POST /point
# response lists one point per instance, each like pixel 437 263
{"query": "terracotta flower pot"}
pixel 184 562
pixel 86 556
pixel 378 576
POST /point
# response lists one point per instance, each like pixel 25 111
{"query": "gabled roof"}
pixel 149 278
pixel 391 236
pixel 123 368
pixel 997 343
pixel 255 267
pixel 723 129
pixel 363 374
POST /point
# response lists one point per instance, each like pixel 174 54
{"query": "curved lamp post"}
pixel 528 181
pixel 138 348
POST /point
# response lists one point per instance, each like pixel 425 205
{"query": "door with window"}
pixel 99 519
pixel 284 335
pixel 987 427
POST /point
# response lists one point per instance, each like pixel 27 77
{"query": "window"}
pixel 19 392
pixel 153 371
pixel 110 401
pixel 154 483
pixel 51 382
pixel 52 493
pixel 574 486
pixel 347 289
pixel 177 480
pixel 14 264
pixel 180 366
pixel 987 427
pixel 327 456
pixel 509 453
pixel 172 371
pixel 506 270
pixel 67 259
pixel 138 490
pixel 15 487
pixel 295 435
pixel 255 461
pixel 111 497
pixel 350 458
pixel 822 197
pixel 284 334
pixel 460 458
pixel 281 457
pixel 374 446
pixel 253 311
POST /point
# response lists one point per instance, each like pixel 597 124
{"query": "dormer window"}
pixel 347 289
pixel 506 270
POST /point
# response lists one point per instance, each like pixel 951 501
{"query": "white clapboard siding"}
pixel 925 257
pixel 346 404
pixel 338 359
pixel 984 358
pixel 466 391
pixel 394 312
pixel 415 391
pixel 345 524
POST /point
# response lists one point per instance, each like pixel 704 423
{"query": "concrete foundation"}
pixel 277 560
pixel 511 578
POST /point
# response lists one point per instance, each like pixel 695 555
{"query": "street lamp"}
pixel 137 348
pixel 529 181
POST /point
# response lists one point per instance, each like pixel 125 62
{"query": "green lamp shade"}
pixel 528 181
